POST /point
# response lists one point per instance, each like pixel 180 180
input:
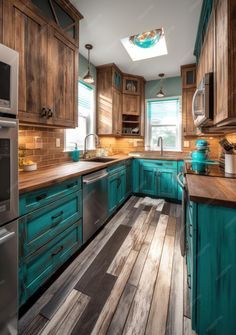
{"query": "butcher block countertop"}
pixel 31 181
pixel 212 190
pixel 168 156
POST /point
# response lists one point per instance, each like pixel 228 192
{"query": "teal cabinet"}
pixel 211 236
pixel 112 192
pixel 128 168
pixel 50 231
pixel 38 267
pixel 148 174
pixel 43 224
pixel 166 183
pixel 156 178
pixel 116 188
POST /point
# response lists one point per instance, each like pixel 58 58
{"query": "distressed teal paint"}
pixel 33 200
pixel 116 187
pixel 155 178
pixel 128 168
pixel 43 224
pixel 37 268
pixel 212 257
pixel 171 86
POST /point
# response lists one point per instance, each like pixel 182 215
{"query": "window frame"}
pixel 148 125
pixel 90 124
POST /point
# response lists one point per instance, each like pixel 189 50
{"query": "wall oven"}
pixel 9 197
pixel 203 102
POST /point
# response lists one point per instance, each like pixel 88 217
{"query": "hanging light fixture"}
pixel 88 78
pixel 160 93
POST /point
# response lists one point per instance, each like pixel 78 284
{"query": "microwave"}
pixel 9 60
pixel 203 102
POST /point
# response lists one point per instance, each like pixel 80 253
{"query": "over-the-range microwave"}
pixel 8 80
pixel 203 102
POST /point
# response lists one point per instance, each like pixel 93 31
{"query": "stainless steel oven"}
pixel 8 278
pixel 8 169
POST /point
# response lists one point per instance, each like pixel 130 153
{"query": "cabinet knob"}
pixel 43 112
pixel 50 113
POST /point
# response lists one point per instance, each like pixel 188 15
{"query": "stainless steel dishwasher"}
pixel 95 202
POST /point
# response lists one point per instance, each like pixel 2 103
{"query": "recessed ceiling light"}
pixel 146 45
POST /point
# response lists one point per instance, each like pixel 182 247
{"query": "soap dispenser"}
pixel 75 153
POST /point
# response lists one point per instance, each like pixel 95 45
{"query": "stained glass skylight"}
pixel 146 45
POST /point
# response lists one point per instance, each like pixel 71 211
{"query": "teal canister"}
pixel 75 154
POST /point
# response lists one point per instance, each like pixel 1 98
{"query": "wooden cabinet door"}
pixel 1 21
pixel 167 185
pixel 188 124
pixel 221 77
pixel 189 76
pixel 148 179
pixel 27 34
pixel 116 111
pixel 62 81
pixel 131 104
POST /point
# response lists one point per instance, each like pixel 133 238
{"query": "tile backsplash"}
pixel 39 145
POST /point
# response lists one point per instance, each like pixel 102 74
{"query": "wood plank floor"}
pixel 129 280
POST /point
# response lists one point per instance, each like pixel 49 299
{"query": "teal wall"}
pixel 83 67
pixel 171 87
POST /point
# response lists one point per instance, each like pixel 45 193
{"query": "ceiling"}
pixel 106 22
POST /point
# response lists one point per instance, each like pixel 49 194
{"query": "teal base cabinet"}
pixel 179 189
pixel 212 259
pixel 50 231
pixel 116 187
pixel 129 183
pixel 155 178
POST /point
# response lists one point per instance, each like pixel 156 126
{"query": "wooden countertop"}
pixel 31 181
pixel 168 156
pixel 212 190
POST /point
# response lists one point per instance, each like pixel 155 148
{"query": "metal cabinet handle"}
pixel 57 215
pixel 8 124
pixel 41 196
pixel 43 112
pixel 59 218
pixel 57 251
pixel 6 236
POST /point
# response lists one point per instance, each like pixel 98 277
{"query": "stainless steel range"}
pixel 9 197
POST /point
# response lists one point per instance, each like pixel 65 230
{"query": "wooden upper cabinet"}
pixel 62 84
pixel 189 128
pixel 28 34
pixel 1 21
pixel 225 66
pixel 48 67
pixel 131 85
pixel 116 111
pixel 188 74
pixel 131 104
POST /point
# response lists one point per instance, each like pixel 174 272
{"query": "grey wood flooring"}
pixel 129 280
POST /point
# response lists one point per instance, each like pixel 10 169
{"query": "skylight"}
pixel 146 45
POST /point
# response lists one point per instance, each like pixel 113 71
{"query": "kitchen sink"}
pixel 100 159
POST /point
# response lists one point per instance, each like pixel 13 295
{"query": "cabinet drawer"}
pixel 37 268
pixel 34 200
pixel 160 163
pixel 42 225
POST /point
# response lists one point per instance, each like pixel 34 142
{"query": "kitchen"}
pixel 118 167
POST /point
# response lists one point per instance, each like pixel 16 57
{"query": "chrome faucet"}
pixel 97 142
pixel 160 144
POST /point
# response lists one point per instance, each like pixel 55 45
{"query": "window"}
pixel 163 118
pixel 86 119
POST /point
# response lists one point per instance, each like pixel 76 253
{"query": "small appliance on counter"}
pixel 200 157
